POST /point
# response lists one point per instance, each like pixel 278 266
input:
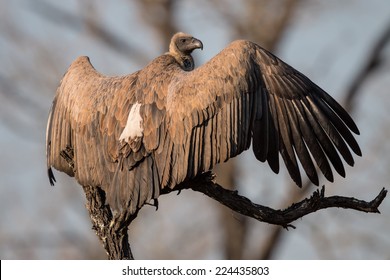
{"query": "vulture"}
pixel 136 135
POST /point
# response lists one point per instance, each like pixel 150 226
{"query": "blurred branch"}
pixel 20 113
pixel 263 21
pixel 276 233
pixel 160 15
pixel 372 63
pixel 63 18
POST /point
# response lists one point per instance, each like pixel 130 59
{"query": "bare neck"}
pixel 185 61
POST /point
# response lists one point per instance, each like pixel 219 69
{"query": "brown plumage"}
pixel 137 134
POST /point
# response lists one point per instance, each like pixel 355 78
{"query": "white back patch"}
pixel 134 126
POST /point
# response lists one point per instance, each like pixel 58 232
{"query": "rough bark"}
pixel 112 229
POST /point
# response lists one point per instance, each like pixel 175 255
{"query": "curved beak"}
pixel 197 44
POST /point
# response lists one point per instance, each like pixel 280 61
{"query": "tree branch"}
pixel 112 228
pixel 204 183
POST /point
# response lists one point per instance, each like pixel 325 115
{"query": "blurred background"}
pixel 343 46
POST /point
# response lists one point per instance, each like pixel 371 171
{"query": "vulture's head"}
pixel 184 43
pixel 181 47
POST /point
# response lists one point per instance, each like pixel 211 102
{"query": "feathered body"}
pixel 138 134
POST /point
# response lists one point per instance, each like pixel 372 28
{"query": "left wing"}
pixel 246 93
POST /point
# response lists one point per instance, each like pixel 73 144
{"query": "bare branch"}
pixel 205 184
pixel 112 228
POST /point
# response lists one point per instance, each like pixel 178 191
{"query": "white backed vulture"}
pixel 135 135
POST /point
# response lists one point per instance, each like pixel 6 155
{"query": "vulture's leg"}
pixel 112 230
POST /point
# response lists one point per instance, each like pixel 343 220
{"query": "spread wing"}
pixel 138 134
pixel 86 122
pixel 245 93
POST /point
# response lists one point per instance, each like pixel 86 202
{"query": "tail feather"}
pixel 50 174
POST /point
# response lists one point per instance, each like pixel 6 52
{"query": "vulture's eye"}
pixel 183 40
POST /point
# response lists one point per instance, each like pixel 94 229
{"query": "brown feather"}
pixel 135 135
